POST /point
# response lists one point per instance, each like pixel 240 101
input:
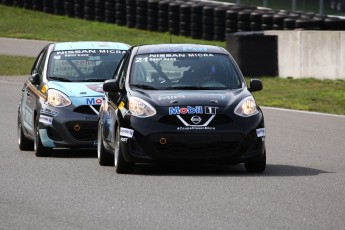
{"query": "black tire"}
pixel 120 163
pixel 104 158
pixel 24 143
pixel 256 166
pixel 40 150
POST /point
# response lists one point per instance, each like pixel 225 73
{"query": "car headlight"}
pixel 247 107
pixel 140 108
pixel 57 99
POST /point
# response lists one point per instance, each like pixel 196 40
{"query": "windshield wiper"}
pixel 60 79
pixel 93 80
pixel 187 87
pixel 142 86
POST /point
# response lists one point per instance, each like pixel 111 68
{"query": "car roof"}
pixel 59 46
pixel 179 48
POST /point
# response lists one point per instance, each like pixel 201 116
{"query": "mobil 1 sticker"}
pixel 93 100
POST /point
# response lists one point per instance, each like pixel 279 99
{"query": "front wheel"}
pixel 120 163
pixel 40 150
pixel 104 158
pixel 256 166
pixel 23 142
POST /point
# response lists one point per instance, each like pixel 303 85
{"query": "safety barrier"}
pixel 199 19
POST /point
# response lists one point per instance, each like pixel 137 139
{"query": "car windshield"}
pixel 166 71
pixel 83 65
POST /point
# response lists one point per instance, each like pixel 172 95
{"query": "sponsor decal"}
pixel 126 132
pixel 192 110
pixel 210 110
pixel 46 120
pixel 76 52
pixel 124 139
pixel 50 112
pixel 171 97
pixel 94 100
pixel 121 105
pixel 187 128
pixel 96 87
pixel 44 89
pixel 261 132
pixel 185 110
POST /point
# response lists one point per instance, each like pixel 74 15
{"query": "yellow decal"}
pixel 121 105
pixel 44 89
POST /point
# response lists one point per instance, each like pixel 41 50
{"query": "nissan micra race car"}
pixel 180 103
pixel 61 97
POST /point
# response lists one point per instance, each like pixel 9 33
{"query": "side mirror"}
pixel 111 86
pixel 34 78
pixel 255 85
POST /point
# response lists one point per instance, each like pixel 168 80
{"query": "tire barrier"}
pixel 7 2
pixel 69 8
pixel 255 53
pixel 89 10
pixel 131 13
pixel 208 20
pixel 58 7
pixel 48 6
pixel 18 3
pixel 195 21
pixel 184 24
pixel 79 8
pixel 37 5
pixel 152 15
pixel 120 13
pixel 100 10
pixel 174 18
pixel 141 14
pixel 27 4
pixel 109 11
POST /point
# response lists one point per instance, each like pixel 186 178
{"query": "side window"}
pixel 39 62
pixel 121 74
pixel 121 65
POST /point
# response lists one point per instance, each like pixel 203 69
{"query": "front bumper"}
pixel 64 128
pixel 231 143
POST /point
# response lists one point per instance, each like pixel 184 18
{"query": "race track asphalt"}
pixel 302 187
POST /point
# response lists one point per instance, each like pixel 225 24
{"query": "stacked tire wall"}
pixel 208 20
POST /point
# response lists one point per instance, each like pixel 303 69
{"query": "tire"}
pixel 24 143
pixel 40 150
pixel 121 165
pixel 104 158
pixel 256 166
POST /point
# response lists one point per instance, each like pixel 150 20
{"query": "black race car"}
pixel 61 97
pixel 180 103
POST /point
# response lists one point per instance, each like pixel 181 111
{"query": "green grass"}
pixel 326 96
pixel 11 65
pixel 303 94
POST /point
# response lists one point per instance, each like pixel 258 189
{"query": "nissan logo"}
pixel 196 119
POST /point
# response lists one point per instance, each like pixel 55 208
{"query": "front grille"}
pixel 86 109
pixel 83 131
pixel 219 119
pixel 196 145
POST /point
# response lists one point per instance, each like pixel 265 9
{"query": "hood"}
pixel 78 89
pixel 222 98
